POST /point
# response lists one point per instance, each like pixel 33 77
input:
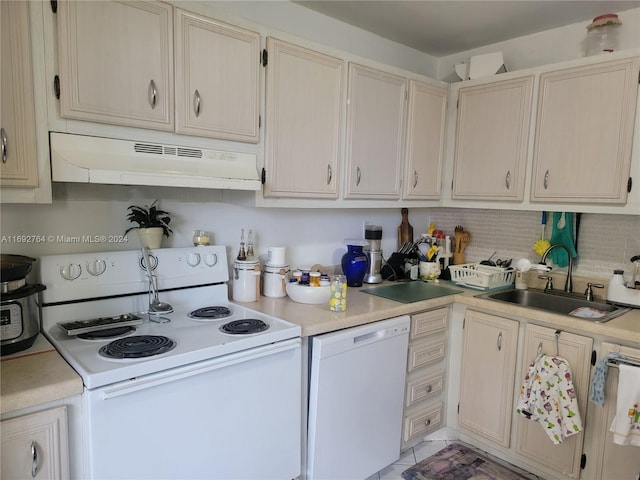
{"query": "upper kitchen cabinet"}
pixel 116 63
pixel 376 106
pixel 425 141
pixel 491 140
pixel 19 163
pixel 304 105
pixel 217 79
pixel 584 133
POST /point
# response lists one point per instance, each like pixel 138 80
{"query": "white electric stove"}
pixel 176 373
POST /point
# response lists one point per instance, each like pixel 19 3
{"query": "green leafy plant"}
pixel 149 217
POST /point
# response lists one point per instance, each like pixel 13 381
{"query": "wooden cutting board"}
pixel 405 230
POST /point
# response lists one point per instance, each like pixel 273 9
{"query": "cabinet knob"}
pixel 196 102
pixel 35 459
pixel 428 422
pixel 429 388
pixel 153 94
pixel 546 180
pixel 3 134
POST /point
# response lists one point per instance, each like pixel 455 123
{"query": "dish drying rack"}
pixel 481 277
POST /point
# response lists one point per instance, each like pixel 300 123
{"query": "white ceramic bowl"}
pixel 308 294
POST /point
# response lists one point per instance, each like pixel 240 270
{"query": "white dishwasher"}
pixel 356 394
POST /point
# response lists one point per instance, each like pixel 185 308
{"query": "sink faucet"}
pixel 568 284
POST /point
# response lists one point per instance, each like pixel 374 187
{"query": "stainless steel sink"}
pixel 556 302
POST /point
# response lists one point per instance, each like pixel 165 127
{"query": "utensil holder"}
pixel 458 258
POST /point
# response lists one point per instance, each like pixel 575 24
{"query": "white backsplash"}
pixel 311 236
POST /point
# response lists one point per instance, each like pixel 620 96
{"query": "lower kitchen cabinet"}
pixel 423 407
pixel 531 440
pixel 36 446
pixel 605 459
pixel 487 376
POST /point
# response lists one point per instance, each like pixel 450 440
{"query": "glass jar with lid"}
pixel 602 34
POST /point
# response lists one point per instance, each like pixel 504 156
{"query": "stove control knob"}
pixel 193 259
pixel 70 271
pixel 96 267
pixel 211 259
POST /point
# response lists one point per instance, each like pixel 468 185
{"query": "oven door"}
pixel 233 417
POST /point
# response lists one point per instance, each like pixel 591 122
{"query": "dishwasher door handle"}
pixel 369 336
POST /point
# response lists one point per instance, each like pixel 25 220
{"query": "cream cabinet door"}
pixel 36 446
pixel 425 141
pixel 492 139
pixel 304 105
pixel 531 439
pixel 18 157
pixel 584 133
pixel 116 62
pixel 487 376
pixel 376 108
pixel 217 79
pixel 607 459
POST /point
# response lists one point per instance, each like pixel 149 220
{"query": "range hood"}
pixel 89 159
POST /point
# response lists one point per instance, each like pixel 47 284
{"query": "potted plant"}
pixel 152 224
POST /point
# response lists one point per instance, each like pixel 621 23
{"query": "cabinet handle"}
pixel 329 174
pixel 153 94
pixel 428 422
pixel 358 176
pixel 415 178
pixel 499 342
pixel 429 388
pixel 546 179
pixel 3 134
pixel 35 459
pixel 507 179
pixel 196 102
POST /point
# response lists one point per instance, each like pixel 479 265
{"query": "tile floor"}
pixel 430 445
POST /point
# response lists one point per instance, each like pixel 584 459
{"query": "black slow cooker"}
pixel 19 314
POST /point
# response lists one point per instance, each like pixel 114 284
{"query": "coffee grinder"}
pixel 373 235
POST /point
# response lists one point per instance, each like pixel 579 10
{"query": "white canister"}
pixel 276 256
pixel 246 280
pixel 275 281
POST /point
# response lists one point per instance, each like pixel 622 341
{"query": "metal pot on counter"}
pixel 19 312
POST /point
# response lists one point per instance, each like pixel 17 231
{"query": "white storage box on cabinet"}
pixel 423 408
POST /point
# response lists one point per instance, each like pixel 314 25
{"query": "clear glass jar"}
pixel 602 34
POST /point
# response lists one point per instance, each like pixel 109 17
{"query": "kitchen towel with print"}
pixel 562 232
pixel 547 396
pixel 626 424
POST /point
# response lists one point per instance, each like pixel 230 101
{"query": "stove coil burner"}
pixel 244 327
pixel 210 313
pixel 107 333
pixel 137 346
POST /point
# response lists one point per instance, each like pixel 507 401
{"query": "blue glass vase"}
pixel 355 264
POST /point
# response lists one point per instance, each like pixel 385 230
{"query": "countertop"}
pixel 36 376
pixel 40 375
pixel 364 308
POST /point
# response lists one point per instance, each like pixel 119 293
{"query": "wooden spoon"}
pixel 464 241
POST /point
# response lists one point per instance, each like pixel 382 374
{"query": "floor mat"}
pixel 457 462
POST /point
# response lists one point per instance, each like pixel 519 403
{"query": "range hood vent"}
pixel 88 159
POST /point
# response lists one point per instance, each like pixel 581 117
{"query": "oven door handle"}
pixel 153 380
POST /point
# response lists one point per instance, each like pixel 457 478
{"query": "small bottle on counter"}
pixel 314 279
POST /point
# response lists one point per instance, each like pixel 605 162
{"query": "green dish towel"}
pixel 563 236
